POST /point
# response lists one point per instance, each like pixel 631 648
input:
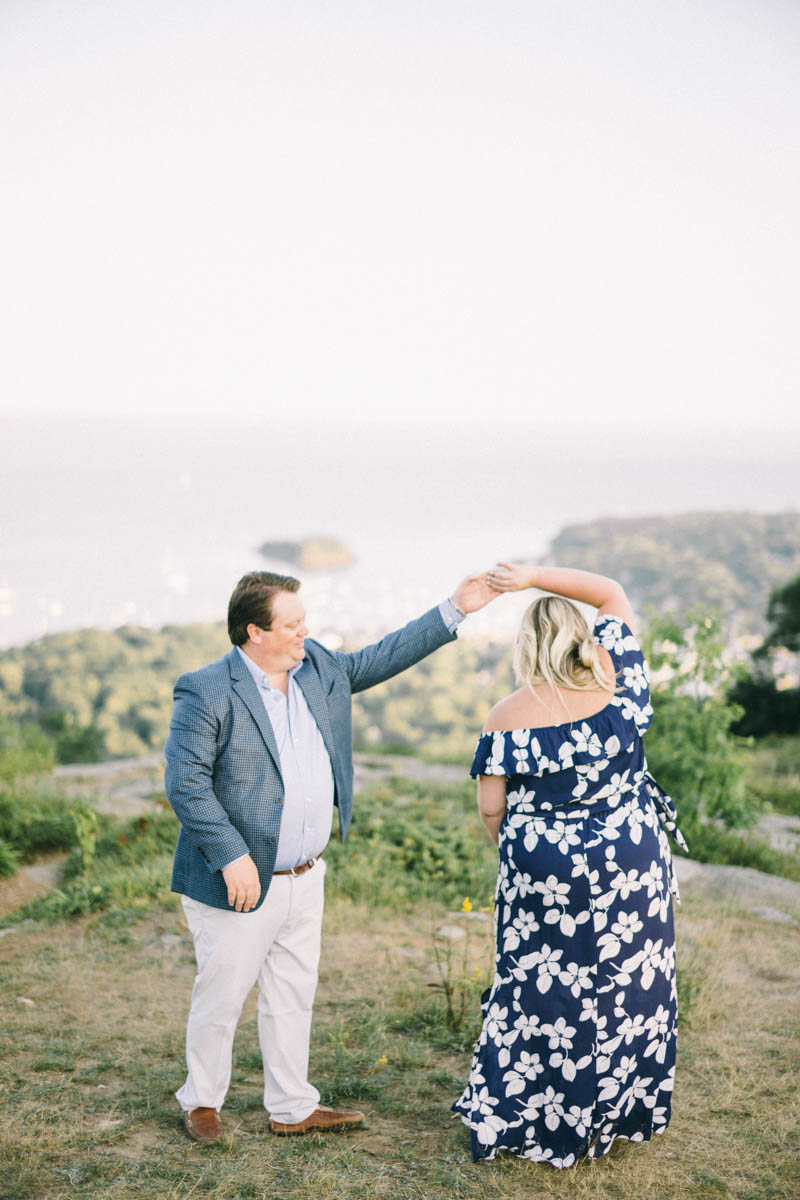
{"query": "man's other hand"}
pixel 244 886
pixel 473 593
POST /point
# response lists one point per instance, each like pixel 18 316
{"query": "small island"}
pixel 310 553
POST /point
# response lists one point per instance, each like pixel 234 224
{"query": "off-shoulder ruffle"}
pixel 557 747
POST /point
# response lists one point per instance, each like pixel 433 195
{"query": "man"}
pixel 259 752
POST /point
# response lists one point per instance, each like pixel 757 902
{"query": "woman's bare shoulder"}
pixel 506 711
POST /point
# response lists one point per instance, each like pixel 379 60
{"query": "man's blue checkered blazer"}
pixel 223 773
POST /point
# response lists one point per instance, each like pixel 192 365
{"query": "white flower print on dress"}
pixel 566 753
pixel 586 740
pixel 520 930
pixel 612 637
pixel 549 966
pixel 658 1028
pixel 553 1104
pixel 556 894
pixel 521 740
pixel 559 1034
pixel 577 978
pixel 635 679
pixel 626 882
pixel 527 1068
pixel 580 1119
pixel 563 834
pixel 521 885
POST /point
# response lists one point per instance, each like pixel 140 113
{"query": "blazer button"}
pixel 272 841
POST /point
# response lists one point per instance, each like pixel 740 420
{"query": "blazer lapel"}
pixel 309 683
pixel 245 686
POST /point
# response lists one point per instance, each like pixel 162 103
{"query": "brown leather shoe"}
pixel 322 1119
pixel 203 1124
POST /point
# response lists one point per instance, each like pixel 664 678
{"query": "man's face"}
pixel 283 643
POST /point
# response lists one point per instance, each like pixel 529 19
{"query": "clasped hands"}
pixel 476 591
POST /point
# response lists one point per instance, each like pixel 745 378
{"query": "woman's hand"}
pixel 511 577
pixel 473 593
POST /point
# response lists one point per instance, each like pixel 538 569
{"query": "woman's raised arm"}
pixel 604 594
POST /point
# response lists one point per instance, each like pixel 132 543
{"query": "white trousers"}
pixel 276 946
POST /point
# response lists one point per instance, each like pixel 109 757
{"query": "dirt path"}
pixel 29 883
pixel 122 788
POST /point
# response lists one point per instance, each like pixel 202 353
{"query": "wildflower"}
pixel 467 905
pixel 383 1060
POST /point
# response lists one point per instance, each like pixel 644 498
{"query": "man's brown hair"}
pixel 251 602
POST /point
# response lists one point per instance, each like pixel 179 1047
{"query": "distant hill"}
pixel 100 692
pixel 729 561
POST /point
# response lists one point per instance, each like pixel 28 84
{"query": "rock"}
pixel 451 933
pixel 406 952
pixel 687 868
pixel 743 888
pixel 26 1001
pixel 170 940
pixel 781 831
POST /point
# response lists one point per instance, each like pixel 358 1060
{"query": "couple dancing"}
pixel 578 1039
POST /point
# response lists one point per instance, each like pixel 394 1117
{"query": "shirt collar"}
pixel 261 677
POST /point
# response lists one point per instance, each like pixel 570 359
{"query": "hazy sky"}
pixel 419 209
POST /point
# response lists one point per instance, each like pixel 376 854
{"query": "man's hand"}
pixel 244 886
pixel 473 593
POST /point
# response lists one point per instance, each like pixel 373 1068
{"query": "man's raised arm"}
pixel 419 638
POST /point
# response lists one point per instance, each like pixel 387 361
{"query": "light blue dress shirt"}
pixel 305 765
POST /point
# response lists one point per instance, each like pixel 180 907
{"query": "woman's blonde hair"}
pixel 555 646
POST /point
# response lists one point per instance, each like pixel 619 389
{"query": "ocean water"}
pixel 106 522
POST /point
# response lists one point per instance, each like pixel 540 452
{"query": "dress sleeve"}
pixel 491 756
pixel 633 680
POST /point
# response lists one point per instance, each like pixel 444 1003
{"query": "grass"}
pixel 89 1068
pixel 774 773
pixel 94 988
pixel 709 844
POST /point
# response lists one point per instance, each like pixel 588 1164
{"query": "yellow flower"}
pixel 467 905
pixel 383 1060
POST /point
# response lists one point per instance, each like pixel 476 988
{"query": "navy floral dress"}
pixel 579 1031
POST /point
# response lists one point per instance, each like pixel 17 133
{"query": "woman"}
pixel 578 1040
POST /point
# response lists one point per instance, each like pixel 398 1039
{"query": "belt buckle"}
pixel 295 871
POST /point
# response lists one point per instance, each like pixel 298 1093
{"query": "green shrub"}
pixel 691 750
pixel 38 822
pixel 128 891
pixel 412 842
pixel 9 859
pixel 131 844
pixel 24 751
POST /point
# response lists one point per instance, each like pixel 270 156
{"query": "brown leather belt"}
pixel 306 866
